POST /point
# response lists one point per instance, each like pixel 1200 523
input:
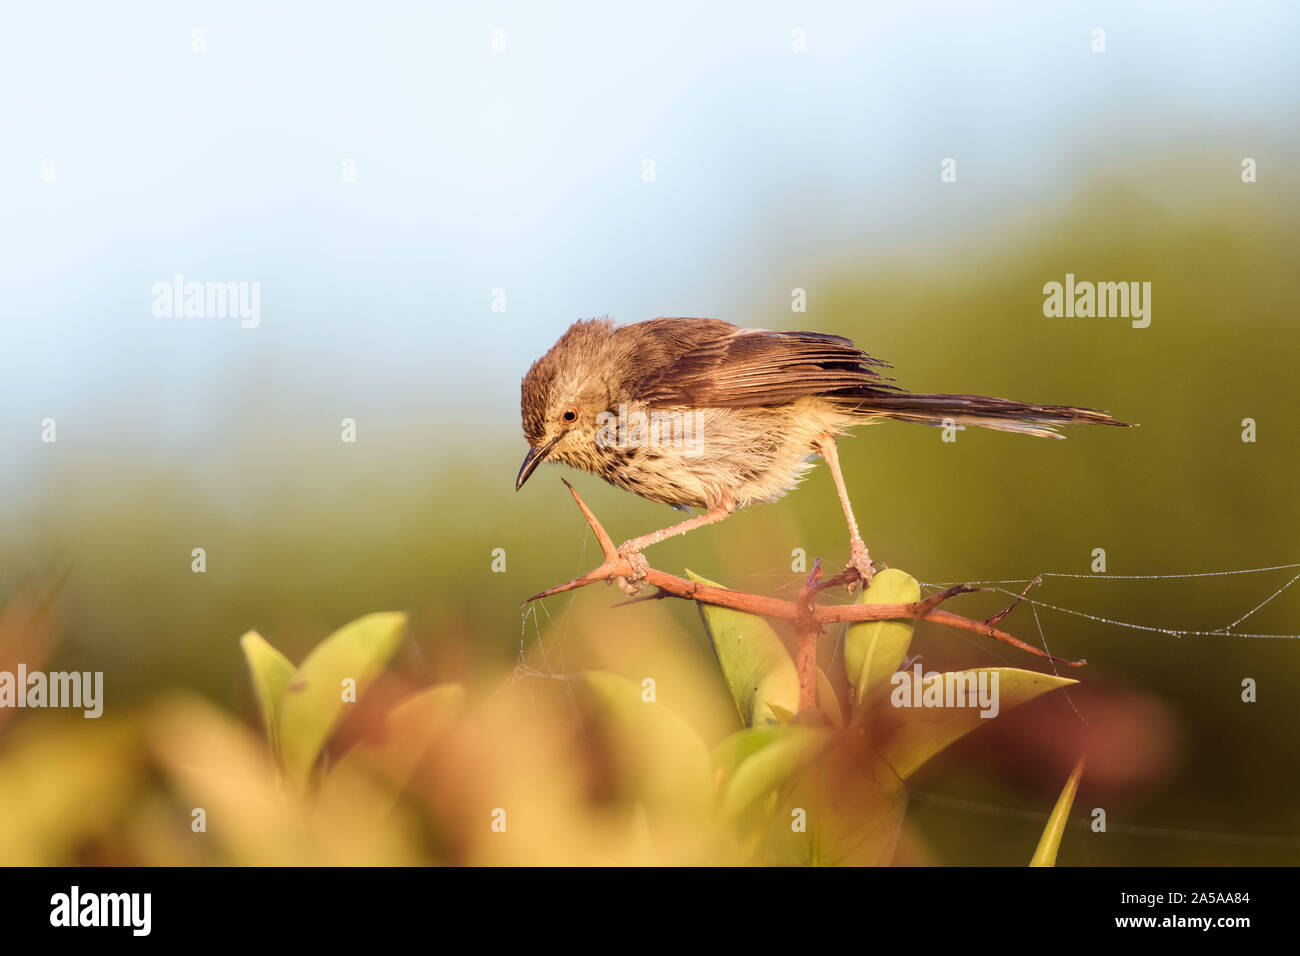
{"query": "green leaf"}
pixel 739 747
pixel 313 703
pixel 1050 841
pixel 271 672
pixel 755 664
pixel 770 767
pixel 913 734
pixel 874 649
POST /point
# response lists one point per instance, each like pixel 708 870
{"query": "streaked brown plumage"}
pixel 739 412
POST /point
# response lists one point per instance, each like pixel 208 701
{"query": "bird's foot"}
pixel 633 583
pixel 860 561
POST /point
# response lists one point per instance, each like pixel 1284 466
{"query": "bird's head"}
pixel 564 395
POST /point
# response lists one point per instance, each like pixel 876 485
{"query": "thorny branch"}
pixel 808 618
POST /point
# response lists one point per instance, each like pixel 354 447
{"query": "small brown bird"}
pixel 700 413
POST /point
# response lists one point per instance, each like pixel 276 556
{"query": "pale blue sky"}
pixel 523 171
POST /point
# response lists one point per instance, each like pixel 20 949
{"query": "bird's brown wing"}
pixel 714 364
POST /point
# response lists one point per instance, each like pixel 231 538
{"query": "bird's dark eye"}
pixel 570 414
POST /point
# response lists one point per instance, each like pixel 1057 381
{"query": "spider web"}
pixel 1224 631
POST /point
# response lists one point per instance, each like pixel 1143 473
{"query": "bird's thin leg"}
pixel 714 514
pixel 857 548
pixel 632 549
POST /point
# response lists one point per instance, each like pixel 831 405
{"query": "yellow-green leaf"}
pixel 271 672
pixel 827 702
pixel 755 664
pixel 783 716
pixel 313 703
pixel 913 733
pixel 739 747
pixel 1050 841
pixel 874 649
pixel 771 766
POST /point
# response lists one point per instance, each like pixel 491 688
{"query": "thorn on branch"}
pixel 993 621
pixel 607 546
pixel 816 573
pixel 927 605
pixel 848 577
pixel 659 595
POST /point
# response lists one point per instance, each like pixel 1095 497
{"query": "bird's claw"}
pixel 860 561
pixel 632 584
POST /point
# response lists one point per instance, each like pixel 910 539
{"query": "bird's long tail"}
pixel 997 413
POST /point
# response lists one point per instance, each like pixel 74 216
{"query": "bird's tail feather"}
pixel 997 413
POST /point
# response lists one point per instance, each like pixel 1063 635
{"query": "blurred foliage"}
pixel 302 532
pixel 432 778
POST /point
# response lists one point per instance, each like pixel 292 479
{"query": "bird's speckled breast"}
pixel 701 457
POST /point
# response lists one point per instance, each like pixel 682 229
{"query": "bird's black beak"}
pixel 531 461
